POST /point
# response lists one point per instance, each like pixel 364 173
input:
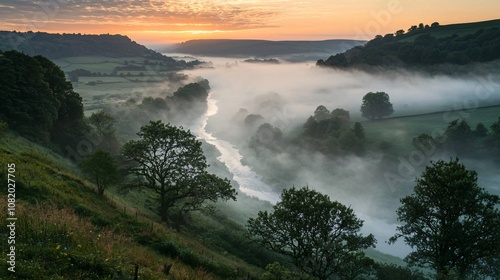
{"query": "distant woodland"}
pixel 425 45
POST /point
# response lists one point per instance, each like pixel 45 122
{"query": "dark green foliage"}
pixel 319 235
pixel 37 100
pixel 330 132
pixel 156 104
pixel 424 45
pixel 376 105
pixel 267 136
pixel 253 120
pixel 359 131
pixel 189 101
pixel 68 128
pixel 480 131
pixel 341 114
pixel 70 45
pixel 169 161
pixel 28 104
pixel 350 142
pixel 424 142
pixel 192 92
pixel 495 128
pixel 104 126
pixel 452 222
pixel 100 167
pixel 458 136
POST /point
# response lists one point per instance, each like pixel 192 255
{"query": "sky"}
pixel 172 21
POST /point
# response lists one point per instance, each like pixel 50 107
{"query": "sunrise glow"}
pixel 171 21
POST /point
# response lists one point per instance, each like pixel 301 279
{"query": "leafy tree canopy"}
pixel 37 101
pixel 452 222
pixel 321 236
pixel 100 167
pixel 376 105
pixel 169 161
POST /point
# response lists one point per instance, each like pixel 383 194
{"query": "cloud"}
pixel 158 15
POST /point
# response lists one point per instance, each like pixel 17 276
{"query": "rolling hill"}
pixel 263 48
pixel 57 46
pixel 426 46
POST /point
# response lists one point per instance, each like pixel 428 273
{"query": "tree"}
pixel 104 125
pixel 452 222
pixel 321 113
pixel 28 104
pixel 321 236
pixel 480 131
pixel 495 128
pixel 69 126
pixel 359 131
pixel 376 105
pixel 169 161
pixel 101 168
pixel 458 136
pixel 342 114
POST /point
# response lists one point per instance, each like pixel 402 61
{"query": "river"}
pixel 249 182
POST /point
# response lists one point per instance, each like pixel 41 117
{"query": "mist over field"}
pixel 287 94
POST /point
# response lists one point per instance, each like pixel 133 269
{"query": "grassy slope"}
pixel 459 29
pixel 65 230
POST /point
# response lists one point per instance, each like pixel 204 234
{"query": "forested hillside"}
pixel 426 45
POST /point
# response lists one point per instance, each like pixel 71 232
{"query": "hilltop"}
pixel 426 46
pixel 263 48
pixel 56 46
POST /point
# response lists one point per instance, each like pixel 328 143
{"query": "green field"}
pixel 105 89
pixel 400 131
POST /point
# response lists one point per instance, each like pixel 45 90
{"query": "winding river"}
pixel 249 181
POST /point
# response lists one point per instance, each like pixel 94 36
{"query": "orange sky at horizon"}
pixel 172 21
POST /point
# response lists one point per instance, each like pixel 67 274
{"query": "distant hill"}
pixel 426 45
pixel 263 48
pixel 54 46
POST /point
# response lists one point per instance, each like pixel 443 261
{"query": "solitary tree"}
pixel 376 105
pixel 101 168
pixel 169 161
pixel 321 236
pixel 452 222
